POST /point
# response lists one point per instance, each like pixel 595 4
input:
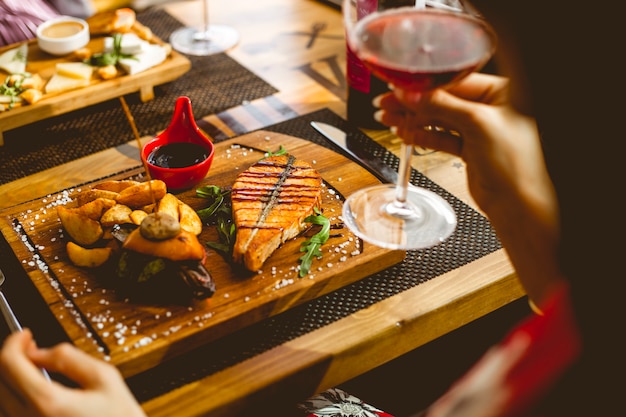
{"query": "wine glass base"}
pixel 192 41
pixel 429 221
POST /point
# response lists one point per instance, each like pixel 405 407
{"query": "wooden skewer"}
pixel 131 120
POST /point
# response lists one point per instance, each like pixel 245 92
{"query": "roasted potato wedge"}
pixel 95 208
pixel 107 72
pixel 142 194
pixel 93 194
pixel 34 82
pixel 82 229
pixel 117 214
pixel 169 205
pixel 115 186
pixel 189 219
pixel 117 202
pixel 32 95
pixel 137 216
pixel 87 257
pixel 149 208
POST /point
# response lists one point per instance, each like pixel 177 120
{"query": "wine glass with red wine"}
pixel 416 49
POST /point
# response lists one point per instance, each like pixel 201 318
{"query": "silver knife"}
pixel 376 166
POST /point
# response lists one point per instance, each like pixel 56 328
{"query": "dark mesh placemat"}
pixel 213 83
pixel 473 239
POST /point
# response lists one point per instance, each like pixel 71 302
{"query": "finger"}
pixel 17 367
pixel 12 403
pixel 432 139
pixel 474 89
pixel 389 118
pixel 440 108
pixel 388 102
pixel 392 112
pixel 406 107
pixel 77 365
pixel 479 87
pixel 417 129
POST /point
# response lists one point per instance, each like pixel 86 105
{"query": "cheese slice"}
pixel 131 44
pixel 78 70
pixel 152 55
pixel 59 83
pixel 13 61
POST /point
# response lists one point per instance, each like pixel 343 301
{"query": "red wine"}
pixel 422 49
pixel 178 155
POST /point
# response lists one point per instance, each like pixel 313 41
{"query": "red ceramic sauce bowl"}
pixel 184 134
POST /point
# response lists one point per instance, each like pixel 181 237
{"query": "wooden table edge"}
pixel 338 352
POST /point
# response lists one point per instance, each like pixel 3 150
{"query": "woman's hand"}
pixel 101 390
pixel 500 146
pixel 506 170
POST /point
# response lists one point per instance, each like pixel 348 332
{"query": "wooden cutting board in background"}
pixel 137 334
pixel 39 62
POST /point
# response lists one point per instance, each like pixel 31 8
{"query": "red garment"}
pixel 512 376
pixel 506 382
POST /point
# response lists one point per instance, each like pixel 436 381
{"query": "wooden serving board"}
pixel 137 334
pixel 42 63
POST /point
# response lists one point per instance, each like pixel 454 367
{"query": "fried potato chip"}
pixel 189 219
pixel 142 194
pixel 81 228
pixel 117 214
pixel 87 258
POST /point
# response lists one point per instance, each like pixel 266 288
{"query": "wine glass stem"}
pixel 400 207
pixel 404 172
pixel 205 13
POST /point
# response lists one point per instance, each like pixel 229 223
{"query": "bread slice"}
pixel 270 201
pixel 112 21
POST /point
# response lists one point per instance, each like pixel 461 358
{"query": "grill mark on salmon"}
pixel 270 201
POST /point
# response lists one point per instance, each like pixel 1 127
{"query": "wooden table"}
pixel 274 39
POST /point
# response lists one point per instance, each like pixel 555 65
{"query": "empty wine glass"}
pixel 208 40
pixel 418 49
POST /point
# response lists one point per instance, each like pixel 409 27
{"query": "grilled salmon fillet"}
pixel 270 201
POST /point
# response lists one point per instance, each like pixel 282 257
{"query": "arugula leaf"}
pixel 109 58
pixel 281 151
pixel 312 246
pixel 218 213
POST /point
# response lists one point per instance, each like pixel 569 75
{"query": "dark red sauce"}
pixel 178 155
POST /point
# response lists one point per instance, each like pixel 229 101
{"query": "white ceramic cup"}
pixel 62 35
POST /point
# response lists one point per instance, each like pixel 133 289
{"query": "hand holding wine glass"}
pixel 417 50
